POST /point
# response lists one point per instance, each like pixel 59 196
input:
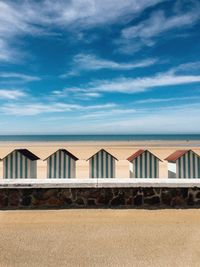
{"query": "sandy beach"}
pixel 83 150
pixel 100 238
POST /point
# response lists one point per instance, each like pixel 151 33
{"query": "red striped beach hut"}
pixel 143 164
pixel 102 165
pixel 183 164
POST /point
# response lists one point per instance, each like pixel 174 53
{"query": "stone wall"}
pixel 99 198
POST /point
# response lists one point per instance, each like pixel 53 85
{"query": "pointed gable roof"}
pixel 138 153
pixel 26 153
pixel 64 151
pixel 177 154
pixel 104 151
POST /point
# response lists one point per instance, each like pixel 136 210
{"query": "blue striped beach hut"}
pixel 61 164
pixel 20 163
pixel 143 164
pixel 102 165
pixel 183 164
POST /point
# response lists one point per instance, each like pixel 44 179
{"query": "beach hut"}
pixel 61 164
pixel 20 163
pixel 143 164
pixel 102 165
pixel 183 164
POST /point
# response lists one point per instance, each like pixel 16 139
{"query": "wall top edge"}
pixel 98 183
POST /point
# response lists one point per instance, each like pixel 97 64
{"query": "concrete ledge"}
pixel 99 183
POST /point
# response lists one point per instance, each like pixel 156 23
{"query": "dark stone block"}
pixel 54 202
pixel 91 202
pixel 157 190
pixel 175 192
pixel 115 191
pixel 26 192
pixel 49 193
pixel 198 195
pixel 3 201
pixel 155 200
pixel 184 192
pixel 129 201
pixel 38 194
pixel 64 193
pixel 190 200
pixel 94 193
pixel 166 197
pixel 14 198
pixel 177 201
pixel 117 201
pixel 138 200
pixel 79 201
pixel 148 192
pixel 197 203
pixel 134 192
pixel 26 201
pixel 68 201
pixel 103 199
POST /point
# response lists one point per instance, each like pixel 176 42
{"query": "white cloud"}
pixel 18 76
pixel 190 67
pixel 145 32
pixel 18 18
pixel 133 85
pixel 92 62
pixel 169 99
pixel 156 120
pixel 108 113
pixel 11 94
pixel 23 109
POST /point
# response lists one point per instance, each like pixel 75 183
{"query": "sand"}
pixel 100 238
pixel 84 150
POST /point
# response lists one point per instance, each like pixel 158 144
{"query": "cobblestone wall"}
pixel 99 198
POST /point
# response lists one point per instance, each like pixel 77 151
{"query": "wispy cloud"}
pixel 20 18
pixel 189 67
pixel 92 62
pixel 145 32
pixel 133 85
pixel 162 120
pixel 18 76
pixel 167 99
pixel 23 109
pixel 11 94
pixel 108 113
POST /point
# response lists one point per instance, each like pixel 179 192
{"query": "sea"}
pixel 127 137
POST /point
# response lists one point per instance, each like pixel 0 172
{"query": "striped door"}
pixel 188 166
pixel 60 165
pixel 16 165
pixel 102 165
pixel 145 166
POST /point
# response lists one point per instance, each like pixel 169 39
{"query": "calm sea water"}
pixel 148 137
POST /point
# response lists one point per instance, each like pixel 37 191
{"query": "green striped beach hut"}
pixel 183 164
pixel 102 165
pixel 61 164
pixel 20 163
pixel 143 164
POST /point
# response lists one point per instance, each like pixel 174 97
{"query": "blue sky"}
pixel 90 66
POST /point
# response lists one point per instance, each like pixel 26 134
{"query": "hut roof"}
pixel 138 153
pixel 104 151
pixel 177 154
pixel 26 153
pixel 64 151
